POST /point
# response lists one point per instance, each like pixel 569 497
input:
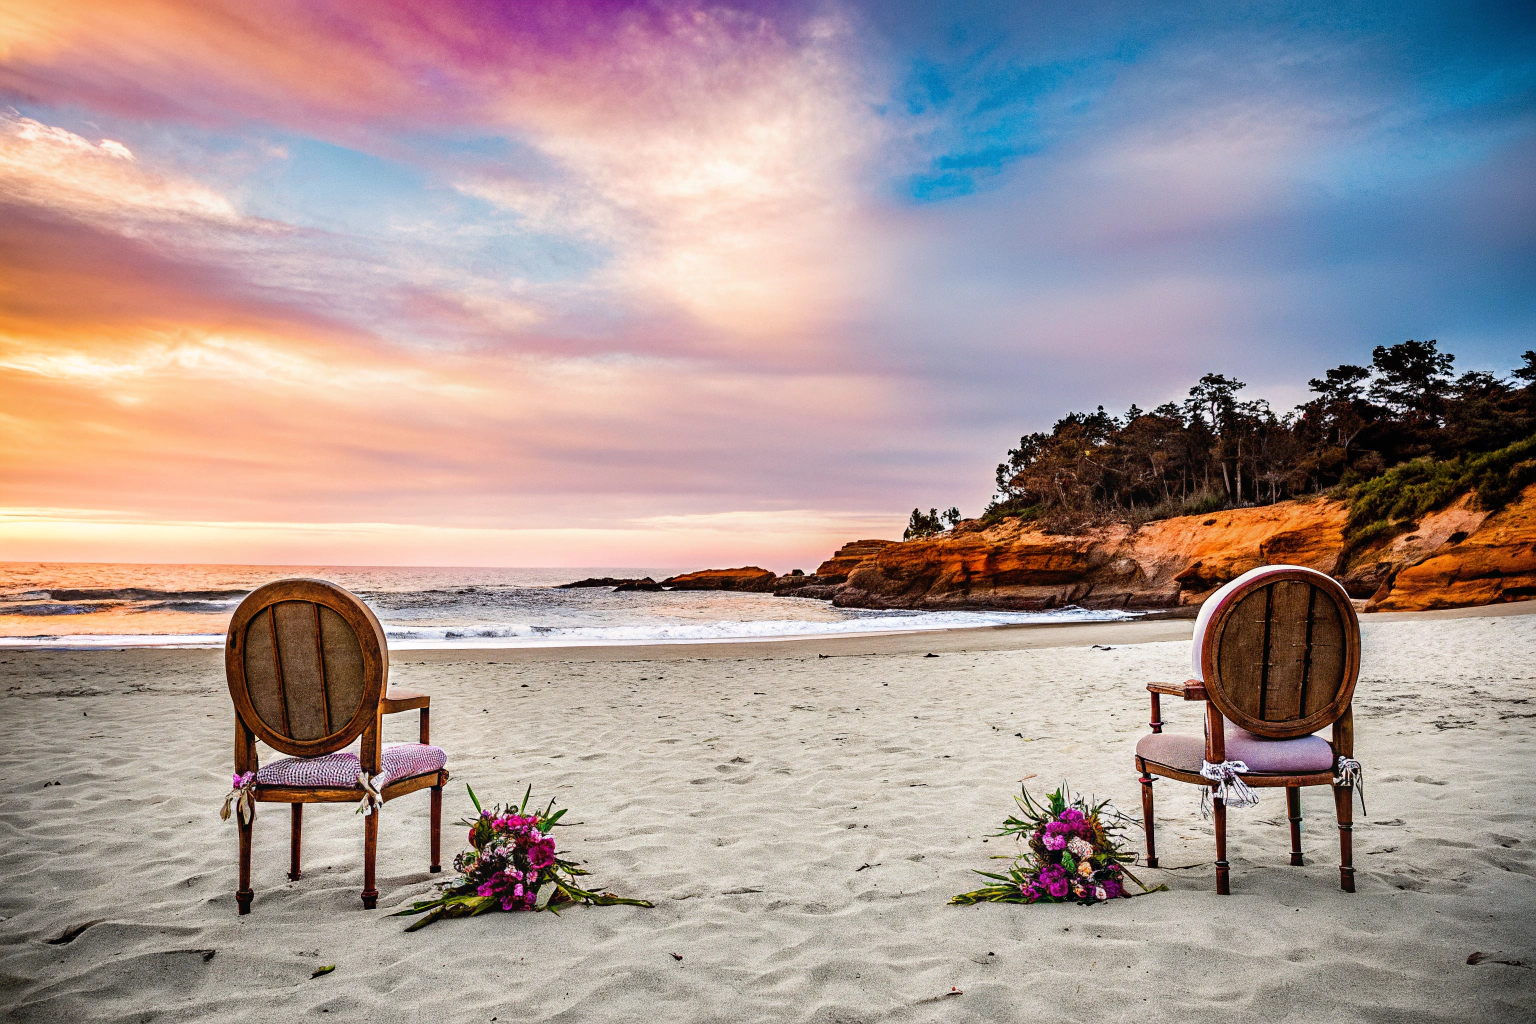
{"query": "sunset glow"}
pixel 674 283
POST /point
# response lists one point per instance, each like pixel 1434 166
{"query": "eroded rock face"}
pixel 749 578
pixel 1495 562
pixel 1166 564
pixel 1372 570
pixel 1456 557
pixel 832 573
pixel 846 558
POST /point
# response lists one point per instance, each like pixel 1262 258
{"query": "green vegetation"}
pixel 1399 438
pixel 1397 499
pixel 931 523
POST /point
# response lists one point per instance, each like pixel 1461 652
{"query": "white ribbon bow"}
pixel 1232 790
pixel 1347 773
pixel 373 792
pixel 241 799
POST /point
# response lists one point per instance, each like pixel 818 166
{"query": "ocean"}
pixel 81 605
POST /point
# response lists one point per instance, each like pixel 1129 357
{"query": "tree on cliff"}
pixel 1213 451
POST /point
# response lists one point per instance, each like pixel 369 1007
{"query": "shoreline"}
pixel 1148 628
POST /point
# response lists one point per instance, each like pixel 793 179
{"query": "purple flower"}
pixel 1112 889
pixel 1057 887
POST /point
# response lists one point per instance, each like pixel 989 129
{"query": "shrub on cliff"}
pixel 1397 499
pixel 931 523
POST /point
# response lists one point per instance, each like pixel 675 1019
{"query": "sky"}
pixel 670 283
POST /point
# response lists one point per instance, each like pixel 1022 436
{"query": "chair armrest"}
pixel 1191 689
pixel 395 700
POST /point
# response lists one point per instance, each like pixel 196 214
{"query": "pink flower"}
pixel 541 854
pixel 1055 842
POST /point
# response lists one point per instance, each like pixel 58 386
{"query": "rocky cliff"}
pixel 831 574
pixel 1495 561
pixel 1453 557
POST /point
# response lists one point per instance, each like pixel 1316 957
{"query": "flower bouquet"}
pixel 1073 854
pixel 512 860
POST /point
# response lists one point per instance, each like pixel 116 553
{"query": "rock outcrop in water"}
pixel 605 581
pixel 750 578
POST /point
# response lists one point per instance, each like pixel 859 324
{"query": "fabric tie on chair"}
pixel 1232 790
pixel 240 798
pixel 373 792
pixel 1348 773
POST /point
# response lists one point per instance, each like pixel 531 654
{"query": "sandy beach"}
pixel 799 812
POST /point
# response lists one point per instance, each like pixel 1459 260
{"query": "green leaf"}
pixel 472 797
pixel 323 970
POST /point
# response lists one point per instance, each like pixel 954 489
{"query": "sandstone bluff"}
pixel 1452 558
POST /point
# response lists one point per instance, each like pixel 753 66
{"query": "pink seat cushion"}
pixel 400 761
pixel 1187 753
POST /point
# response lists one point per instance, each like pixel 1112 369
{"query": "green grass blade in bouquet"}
pixel 1072 853
pixel 511 861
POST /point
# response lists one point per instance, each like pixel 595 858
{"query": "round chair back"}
pixel 1278 649
pixel 306 663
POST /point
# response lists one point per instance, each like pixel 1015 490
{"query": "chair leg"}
pixel 244 893
pixel 1343 798
pixel 437 828
pixel 1223 881
pixel 1147 820
pixel 1293 810
pixel 370 849
pixel 293 842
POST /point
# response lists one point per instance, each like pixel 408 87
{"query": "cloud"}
pixel 50 167
pixel 661 267
pixel 717 160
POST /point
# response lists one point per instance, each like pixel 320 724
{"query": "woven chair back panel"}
pixel 303 669
pixel 1282 655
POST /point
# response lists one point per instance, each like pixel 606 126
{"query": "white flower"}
pixel 1080 847
pixel 1099 893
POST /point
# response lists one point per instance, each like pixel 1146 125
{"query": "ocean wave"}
pixel 56 608
pixel 497 635
pixel 143 594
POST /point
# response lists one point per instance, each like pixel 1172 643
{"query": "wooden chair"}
pixel 307 665
pixel 1276 656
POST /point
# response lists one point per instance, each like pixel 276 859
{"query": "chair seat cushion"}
pixel 1186 753
pixel 340 769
